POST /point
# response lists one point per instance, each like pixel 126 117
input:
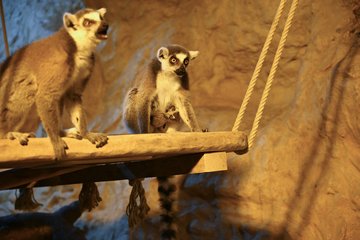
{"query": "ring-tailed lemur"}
pixel 44 77
pixel 159 101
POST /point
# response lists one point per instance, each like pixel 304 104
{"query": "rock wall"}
pixel 301 178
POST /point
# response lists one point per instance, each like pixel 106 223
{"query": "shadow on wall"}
pixel 323 148
pixel 57 225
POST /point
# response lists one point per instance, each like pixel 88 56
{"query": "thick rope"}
pixel 259 65
pixel 273 70
pixel 4 29
pixel 89 196
pixel 137 207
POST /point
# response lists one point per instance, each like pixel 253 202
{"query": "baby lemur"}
pixel 159 101
pixel 48 76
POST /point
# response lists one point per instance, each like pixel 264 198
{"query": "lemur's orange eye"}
pixel 186 61
pixel 173 60
pixel 87 22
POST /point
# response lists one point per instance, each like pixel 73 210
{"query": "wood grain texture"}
pixel 120 148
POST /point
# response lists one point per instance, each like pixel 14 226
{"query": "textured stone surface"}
pixel 301 179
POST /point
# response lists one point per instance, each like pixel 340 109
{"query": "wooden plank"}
pixel 121 148
pixel 211 162
pixel 192 163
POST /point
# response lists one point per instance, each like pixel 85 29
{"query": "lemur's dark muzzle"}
pixel 102 31
pixel 181 71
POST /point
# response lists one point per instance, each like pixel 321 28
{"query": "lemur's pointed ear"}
pixel 102 12
pixel 69 20
pixel 162 53
pixel 193 54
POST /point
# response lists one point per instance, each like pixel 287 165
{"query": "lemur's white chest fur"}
pixel 83 64
pixel 85 45
pixel 82 67
pixel 167 83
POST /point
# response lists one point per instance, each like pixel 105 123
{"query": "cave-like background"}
pixel 301 180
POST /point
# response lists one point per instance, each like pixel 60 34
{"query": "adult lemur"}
pixel 159 101
pixel 42 79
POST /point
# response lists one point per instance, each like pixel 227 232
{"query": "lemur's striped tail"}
pixel 166 191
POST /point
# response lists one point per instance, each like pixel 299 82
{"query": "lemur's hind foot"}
pixel 99 139
pixel 71 133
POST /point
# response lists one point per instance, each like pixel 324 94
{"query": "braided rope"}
pixel 259 65
pixel 137 207
pixel 4 29
pixel 274 67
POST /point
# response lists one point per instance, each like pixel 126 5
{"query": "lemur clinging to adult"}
pixel 159 101
pixel 47 76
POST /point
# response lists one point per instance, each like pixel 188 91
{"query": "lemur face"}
pixel 175 58
pixel 87 24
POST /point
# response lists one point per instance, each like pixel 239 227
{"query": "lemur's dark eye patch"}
pixel 186 61
pixel 88 22
pixel 173 60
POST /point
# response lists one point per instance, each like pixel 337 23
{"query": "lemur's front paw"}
pixel 172 113
pixel 174 116
pixel 23 138
pixel 99 139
